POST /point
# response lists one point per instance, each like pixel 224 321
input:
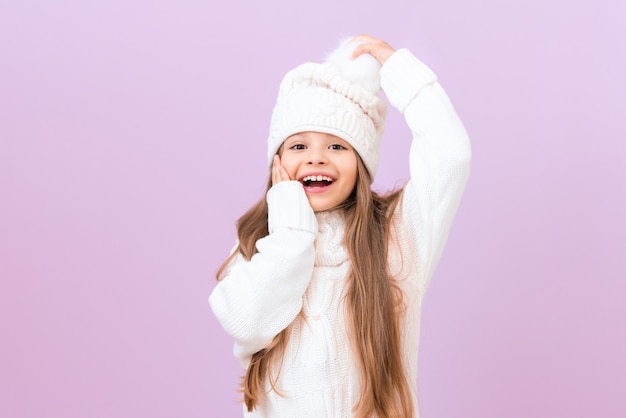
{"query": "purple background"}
pixel 132 135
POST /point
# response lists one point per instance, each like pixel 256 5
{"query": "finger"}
pixel 278 171
pixel 378 49
pixel 275 175
pixel 281 174
pixel 371 41
pixel 366 38
pixel 284 176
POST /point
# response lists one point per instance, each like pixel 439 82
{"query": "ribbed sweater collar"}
pixel 329 248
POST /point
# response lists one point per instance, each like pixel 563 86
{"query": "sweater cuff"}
pixel 403 76
pixel 288 207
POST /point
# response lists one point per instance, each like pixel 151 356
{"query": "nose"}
pixel 317 156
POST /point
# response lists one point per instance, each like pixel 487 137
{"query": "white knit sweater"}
pixel 298 275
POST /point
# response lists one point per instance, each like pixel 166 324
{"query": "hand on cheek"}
pixel 278 171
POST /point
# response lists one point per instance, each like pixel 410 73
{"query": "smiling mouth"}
pixel 316 181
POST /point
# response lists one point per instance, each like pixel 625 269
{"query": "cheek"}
pixel 353 172
pixel 290 166
pixel 353 183
pixel 351 175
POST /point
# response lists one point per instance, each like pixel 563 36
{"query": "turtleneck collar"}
pixel 329 248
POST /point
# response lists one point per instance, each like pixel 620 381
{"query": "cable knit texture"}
pixel 332 98
pixel 298 276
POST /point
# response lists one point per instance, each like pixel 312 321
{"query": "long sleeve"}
pixel 439 157
pixel 259 298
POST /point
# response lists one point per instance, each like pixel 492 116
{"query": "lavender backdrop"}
pixel 132 135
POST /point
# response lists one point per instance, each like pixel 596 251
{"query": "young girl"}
pixel 323 291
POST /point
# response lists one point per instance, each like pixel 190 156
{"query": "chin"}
pixel 323 208
pixel 324 203
pixel 319 207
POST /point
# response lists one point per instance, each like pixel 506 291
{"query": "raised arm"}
pixel 439 158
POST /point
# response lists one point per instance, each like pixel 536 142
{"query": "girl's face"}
pixel 325 165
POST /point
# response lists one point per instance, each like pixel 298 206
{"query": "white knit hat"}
pixel 338 97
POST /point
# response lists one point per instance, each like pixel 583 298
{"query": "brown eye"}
pixel 337 147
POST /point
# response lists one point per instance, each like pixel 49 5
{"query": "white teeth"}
pixel 317 178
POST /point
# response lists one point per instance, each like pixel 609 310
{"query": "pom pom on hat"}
pixel 363 70
pixel 338 97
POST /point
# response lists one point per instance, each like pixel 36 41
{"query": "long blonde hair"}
pixel 374 333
